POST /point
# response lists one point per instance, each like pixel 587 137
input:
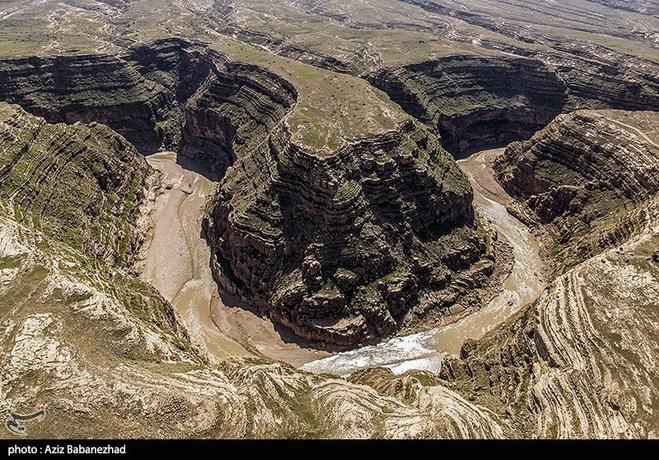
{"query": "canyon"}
pixel 215 225
pixel 340 256
pixel 483 102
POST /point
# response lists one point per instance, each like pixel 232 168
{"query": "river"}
pixel 426 350
pixel 177 264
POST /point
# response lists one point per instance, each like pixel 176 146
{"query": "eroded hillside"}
pixel 339 242
pixel 586 178
pixel 579 362
pixel 340 214
pixel 110 357
pixel 477 103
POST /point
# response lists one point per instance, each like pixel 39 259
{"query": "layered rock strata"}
pixel 85 183
pixel 338 246
pixel 476 102
pixel 479 102
pixel 585 178
pixel 104 89
pixel 341 248
pixel 580 362
pixel 144 94
pixel 97 345
pixel 108 357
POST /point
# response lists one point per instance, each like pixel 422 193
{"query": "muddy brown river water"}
pixel 426 350
pixel 177 264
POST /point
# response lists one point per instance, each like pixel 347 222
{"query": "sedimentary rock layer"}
pixel 338 246
pixel 108 357
pixel 639 6
pixel 342 248
pixel 478 102
pixel 585 177
pixel 581 362
pixel 85 183
pixel 145 92
pixel 97 88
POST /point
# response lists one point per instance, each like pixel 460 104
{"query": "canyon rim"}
pixel 338 219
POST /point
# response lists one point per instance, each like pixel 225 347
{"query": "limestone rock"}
pixel 479 102
pixel 86 184
pixel 587 176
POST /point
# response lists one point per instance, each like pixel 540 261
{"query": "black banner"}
pixel 393 449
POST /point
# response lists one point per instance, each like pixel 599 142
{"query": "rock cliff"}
pixel 340 246
pixel 109 357
pixel 143 93
pixel 585 178
pixel 479 102
pixel 85 183
pixel 579 361
pixel 104 89
pixel 476 102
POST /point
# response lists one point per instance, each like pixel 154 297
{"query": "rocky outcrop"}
pixel 234 111
pixel 144 94
pixel 638 6
pixel 584 177
pixel 95 344
pixel 580 363
pixel 342 248
pixel 108 357
pixel 598 78
pixel 280 47
pixel 104 89
pixel 85 183
pixel 476 102
pixel 479 102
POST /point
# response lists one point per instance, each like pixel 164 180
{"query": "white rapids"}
pixel 426 350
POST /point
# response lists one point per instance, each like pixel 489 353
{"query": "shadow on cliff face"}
pixel 283 333
pixel 387 221
pixel 210 172
pixel 166 95
pixel 476 103
pixel 364 213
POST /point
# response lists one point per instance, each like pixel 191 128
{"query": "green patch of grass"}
pixel 332 108
pixel 10 262
pixel 23 288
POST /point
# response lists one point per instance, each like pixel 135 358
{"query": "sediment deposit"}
pixel 340 246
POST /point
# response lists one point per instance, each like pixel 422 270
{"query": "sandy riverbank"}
pixel 177 263
pixel 524 284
